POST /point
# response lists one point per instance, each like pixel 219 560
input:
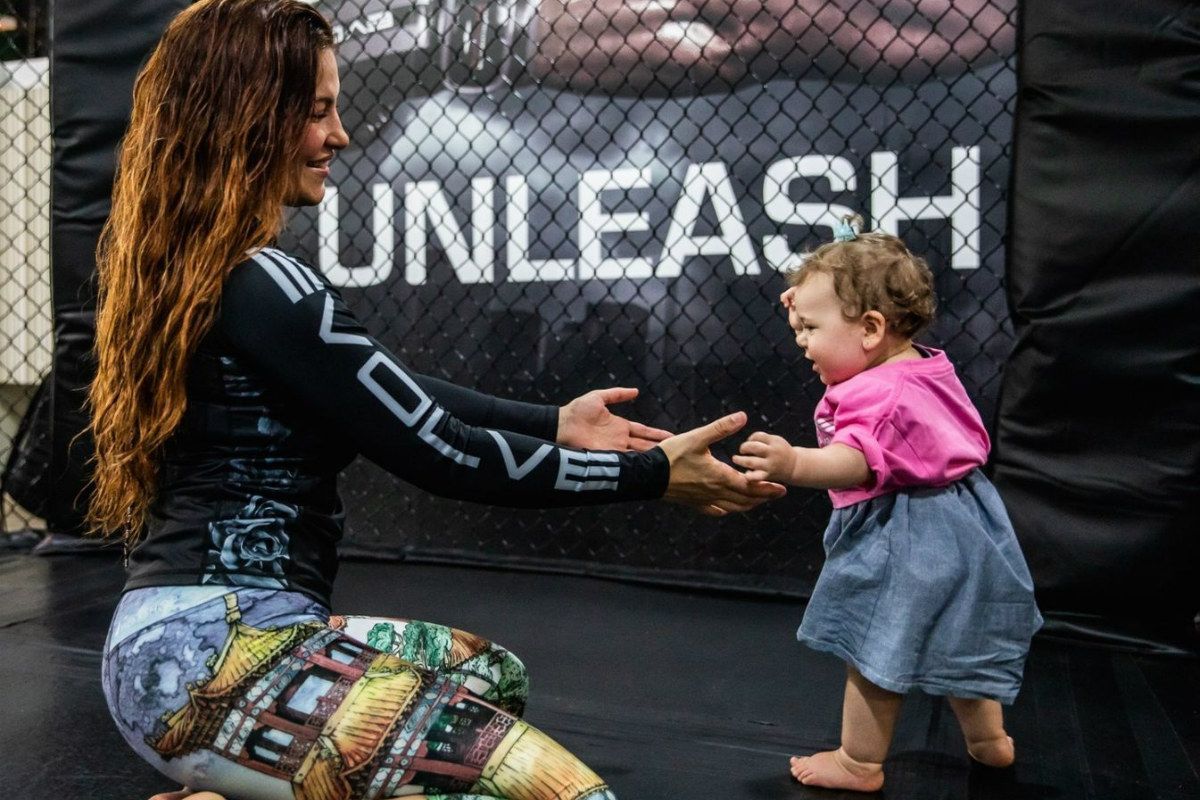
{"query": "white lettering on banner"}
pixel 594 220
pixel 382 254
pixel 370 23
pixel 707 180
pixel 522 268
pixel 413 18
pixel 425 203
pixel 839 173
pixel 961 206
pixel 431 220
pixel 589 468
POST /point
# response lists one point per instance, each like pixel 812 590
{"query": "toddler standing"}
pixel 924 586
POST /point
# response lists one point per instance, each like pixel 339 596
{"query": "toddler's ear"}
pixel 874 327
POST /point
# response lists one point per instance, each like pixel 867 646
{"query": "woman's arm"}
pixel 585 422
pixel 476 408
pixel 282 318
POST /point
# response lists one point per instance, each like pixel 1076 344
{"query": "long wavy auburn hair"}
pixel 205 169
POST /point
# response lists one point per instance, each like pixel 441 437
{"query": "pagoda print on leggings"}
pixel 341 720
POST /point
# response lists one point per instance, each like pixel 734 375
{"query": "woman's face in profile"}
pixel 323 136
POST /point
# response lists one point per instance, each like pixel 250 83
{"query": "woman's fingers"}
pixel 742 502
pixel 701 438
pixel 740 490
pixel 639 431
pixel 767 489
pixel 711 486
pixel 617 394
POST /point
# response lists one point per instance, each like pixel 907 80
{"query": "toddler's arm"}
pixel 769 457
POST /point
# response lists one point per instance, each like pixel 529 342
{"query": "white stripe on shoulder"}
pixel 277 275
pixel 303 282
pixel 304 270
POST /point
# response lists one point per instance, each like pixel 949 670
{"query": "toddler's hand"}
pixel 767 457
pixel 787 298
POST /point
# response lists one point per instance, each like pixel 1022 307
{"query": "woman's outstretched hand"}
pixel 587 423
pixel 711 486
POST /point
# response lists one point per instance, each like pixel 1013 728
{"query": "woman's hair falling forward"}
pixel 203 174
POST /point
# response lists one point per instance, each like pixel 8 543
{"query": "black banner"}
pixel 546 197
pixel 543 198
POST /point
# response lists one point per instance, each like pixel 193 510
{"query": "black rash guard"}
pixel 285 391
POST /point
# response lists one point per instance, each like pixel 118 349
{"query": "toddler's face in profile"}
pixel 832 343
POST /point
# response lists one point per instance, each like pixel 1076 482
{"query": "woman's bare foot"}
pixel 834 769
pixel 997 752
pixel 187 794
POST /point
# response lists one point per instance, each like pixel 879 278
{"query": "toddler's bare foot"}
pixel 834 769
pixel 997 752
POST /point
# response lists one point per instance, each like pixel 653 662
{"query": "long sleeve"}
pixel 280 316
pixel 477 408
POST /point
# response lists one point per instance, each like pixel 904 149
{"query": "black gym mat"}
pixel 668 694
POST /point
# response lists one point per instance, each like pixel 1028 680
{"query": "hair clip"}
pixel 844 231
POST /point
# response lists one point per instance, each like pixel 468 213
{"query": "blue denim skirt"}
pixel 927 589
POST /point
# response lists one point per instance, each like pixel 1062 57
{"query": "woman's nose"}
pixel 338 138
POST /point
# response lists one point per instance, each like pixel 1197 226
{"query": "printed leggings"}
pixel 260 694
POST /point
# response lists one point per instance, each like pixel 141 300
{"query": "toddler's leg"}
pixel 868 720
pixel 982 723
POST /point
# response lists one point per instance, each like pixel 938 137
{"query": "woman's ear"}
pixel 874 327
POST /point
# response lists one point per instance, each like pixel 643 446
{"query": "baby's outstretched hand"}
pixel 767 457
pixel 788 298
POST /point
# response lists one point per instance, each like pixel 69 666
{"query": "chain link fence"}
pixel 25 308
pixel 541 198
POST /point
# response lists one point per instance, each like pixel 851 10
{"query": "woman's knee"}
pixel 513 682
pixel 487 669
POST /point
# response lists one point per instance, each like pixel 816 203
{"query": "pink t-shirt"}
pixel 912 420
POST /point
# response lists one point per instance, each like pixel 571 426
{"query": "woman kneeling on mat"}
pixel 233 385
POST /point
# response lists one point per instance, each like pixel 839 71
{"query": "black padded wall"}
pixel 1098 438
pixel 97 49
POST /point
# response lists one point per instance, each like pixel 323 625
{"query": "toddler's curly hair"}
pixel 875 272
